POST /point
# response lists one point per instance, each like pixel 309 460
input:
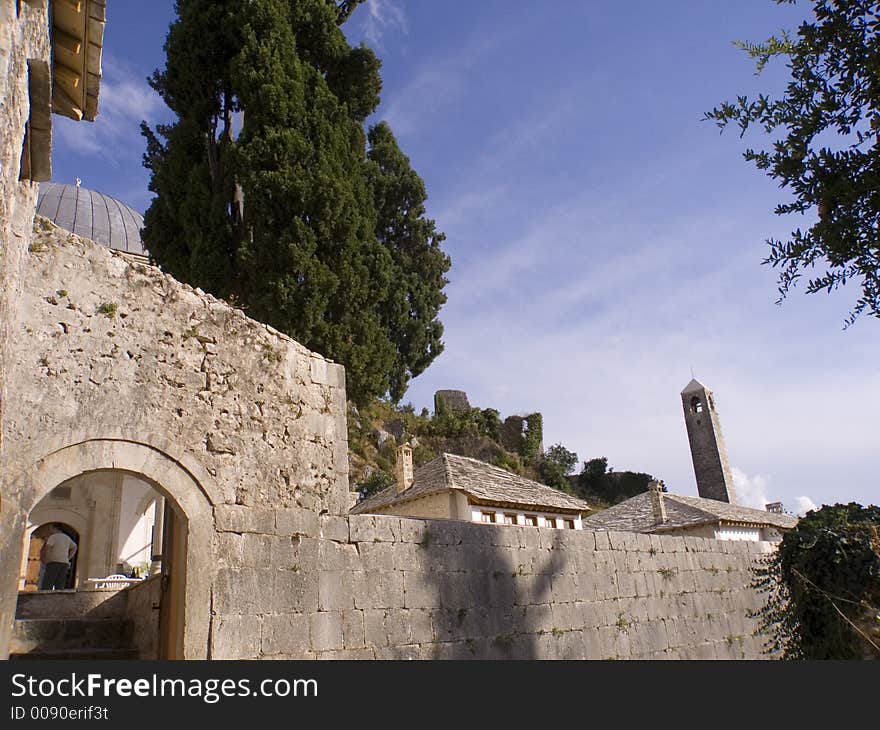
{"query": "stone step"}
pixel 71 604
pixel 63 634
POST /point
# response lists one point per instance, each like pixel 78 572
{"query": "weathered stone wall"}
pixel 141 600
pixel 112 364
pixel 24 34
pixel 391 587
pixel 104 345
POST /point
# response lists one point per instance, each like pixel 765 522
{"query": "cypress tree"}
pixel 266 195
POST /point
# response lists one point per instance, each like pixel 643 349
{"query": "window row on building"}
pixel 513 517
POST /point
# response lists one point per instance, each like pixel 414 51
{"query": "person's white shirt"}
pixel 58 548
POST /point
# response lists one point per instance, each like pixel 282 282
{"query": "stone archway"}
pixel 169 476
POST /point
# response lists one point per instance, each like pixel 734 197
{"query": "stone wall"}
pixel 105 345
pixel 114 365
pixel 141 602
pixel 391 587
pixel 24 34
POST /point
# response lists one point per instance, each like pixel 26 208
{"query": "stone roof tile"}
pixel 637 514
pixel 481 481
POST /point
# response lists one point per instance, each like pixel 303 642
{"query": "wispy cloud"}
pixel 383 16
pixel 125 99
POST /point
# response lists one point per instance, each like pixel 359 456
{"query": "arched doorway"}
pixel 34 568
pixel 188 530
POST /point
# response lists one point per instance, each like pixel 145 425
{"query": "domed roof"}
pixel 92 215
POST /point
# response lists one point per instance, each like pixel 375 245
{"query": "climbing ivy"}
pixel 823 586
pixel 533 438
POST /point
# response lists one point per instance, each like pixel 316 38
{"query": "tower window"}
pixel 696 405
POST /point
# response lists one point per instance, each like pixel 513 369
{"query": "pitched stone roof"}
pixel 482 482
pixel 637 515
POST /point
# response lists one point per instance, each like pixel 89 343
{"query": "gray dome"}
pixel 92 215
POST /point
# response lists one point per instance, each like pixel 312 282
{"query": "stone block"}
pixel 447 623
pixel 418 591
pixel 296 521
pixel 413 556
pixel 404 652
pixel 235 637
pixel 333 591
pixel 643 542
pixel 229 550
pixel 380 590
pixel 536 618
pixel 334 528
pixel 295 553
pixel 325 631
pixel 387 528
pixel 353 633
pixel 318 371
pixel 346 655
pixel 375 634
pixel 602 541
pixel 505 536
pixel 360 528
pixel 239 518
pixel 236 591
pixel 339 556
pixel 500 589
pixel 289 591
pixel 421 629
pixel 566 616
pixel 286 634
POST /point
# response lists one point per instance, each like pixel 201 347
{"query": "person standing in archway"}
pixel 56 554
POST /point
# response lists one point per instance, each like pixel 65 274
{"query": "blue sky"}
pixel 604 239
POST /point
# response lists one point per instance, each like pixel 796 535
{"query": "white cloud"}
pixel 751 491
pixel 382 16
pixel 804 505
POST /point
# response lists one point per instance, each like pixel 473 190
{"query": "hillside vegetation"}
pixel 514 443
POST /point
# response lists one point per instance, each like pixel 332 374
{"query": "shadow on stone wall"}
pixel 493 607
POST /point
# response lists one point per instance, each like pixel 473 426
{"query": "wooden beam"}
pixel 64 105
pixel 66 74
pixel 74 5
pixel 68 42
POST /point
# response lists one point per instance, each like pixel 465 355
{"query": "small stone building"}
pixel 460 488
pixel 675 514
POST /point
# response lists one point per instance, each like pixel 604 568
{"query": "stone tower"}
pixel 709 454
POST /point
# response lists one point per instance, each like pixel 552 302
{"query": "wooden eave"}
pixel 77 33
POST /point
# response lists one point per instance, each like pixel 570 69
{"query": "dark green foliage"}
pixel 293 219
pixel 823 586
pixel 375 483
pixel 555 466
pixel 457 422
pixel 598 481
pixel 410 311
pixel 533 438
pixel 827 148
